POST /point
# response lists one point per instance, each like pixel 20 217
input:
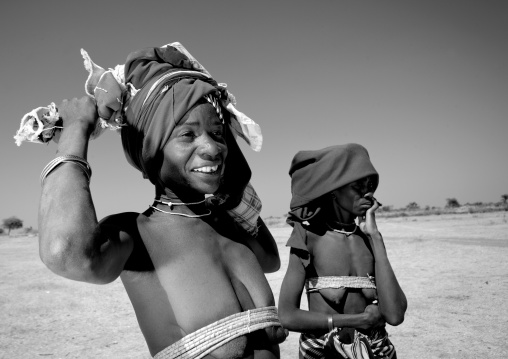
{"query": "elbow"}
pixel 286 318
pixel 55 254
pixel 396 317
pixel 395 320
pixel 63 259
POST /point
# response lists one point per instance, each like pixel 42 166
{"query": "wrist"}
pixel 82 127
pixel 365 320
pixel 74 136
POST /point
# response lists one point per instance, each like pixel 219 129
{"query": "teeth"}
pixel 207 169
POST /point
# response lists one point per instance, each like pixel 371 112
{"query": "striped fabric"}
pixel 246 214
pixel 375 346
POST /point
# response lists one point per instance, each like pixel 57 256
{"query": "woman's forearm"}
pixel 67 219
pixel 303 321
pixel 392 300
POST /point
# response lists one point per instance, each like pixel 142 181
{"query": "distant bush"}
pixel 412 206
pixel 386 209
pixel 452 203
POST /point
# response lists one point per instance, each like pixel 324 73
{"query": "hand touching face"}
pixel 356 197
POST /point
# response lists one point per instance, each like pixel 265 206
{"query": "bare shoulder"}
pixel 126 225
pixel 125 221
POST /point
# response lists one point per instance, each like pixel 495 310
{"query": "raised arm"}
pixel 71 242
pixel 295 319
pixel 391 298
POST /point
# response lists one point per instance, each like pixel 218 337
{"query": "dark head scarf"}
pixel 168 87
pixel 314 174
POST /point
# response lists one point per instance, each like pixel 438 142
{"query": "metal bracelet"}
pixel 330 323
pixel 81 162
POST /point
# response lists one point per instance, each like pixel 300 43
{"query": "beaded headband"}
pixel 215 103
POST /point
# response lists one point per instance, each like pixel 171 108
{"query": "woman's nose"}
pixel 369 195
pixel 208 147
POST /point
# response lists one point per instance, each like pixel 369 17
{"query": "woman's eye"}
pixel 188 134
pixel 219 134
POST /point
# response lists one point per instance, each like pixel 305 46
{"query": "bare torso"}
pixel 335 254
pixel 200 277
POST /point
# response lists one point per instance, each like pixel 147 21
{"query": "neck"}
pixel 339 218
pixel 179 196
pixel 188 204
pixel 340 215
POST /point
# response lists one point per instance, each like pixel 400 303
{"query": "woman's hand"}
pixel 373 318
pixel 82 111
pixel 368 222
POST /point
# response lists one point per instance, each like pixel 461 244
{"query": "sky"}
pixel 423 85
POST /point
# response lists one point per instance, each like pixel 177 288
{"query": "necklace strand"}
pixel 344 232
pixel 183 214
pixel 171 204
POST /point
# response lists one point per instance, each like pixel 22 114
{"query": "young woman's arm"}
pixel 295 319
pixel 391 298
pixel 71 243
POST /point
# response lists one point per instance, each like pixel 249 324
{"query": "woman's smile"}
pixel 207 169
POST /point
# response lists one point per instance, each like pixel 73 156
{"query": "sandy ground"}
pixel 453 269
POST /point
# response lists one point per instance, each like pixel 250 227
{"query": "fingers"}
pixel 379 203
pixel 82 109
pixel 375 205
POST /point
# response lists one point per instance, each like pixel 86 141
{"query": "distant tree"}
pixel 1 230
pixel 412 206
pixel 12 223
pixel 452 203
pixel 504 198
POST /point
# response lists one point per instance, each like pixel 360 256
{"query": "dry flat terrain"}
pixel 453 269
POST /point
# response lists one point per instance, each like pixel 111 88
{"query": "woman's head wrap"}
pixel 149 95
pixel 154 112
pixel 316 173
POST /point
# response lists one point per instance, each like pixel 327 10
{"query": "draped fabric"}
pixel 329 346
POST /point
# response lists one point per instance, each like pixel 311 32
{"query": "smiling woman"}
pixel 195 153
pixel 203 290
